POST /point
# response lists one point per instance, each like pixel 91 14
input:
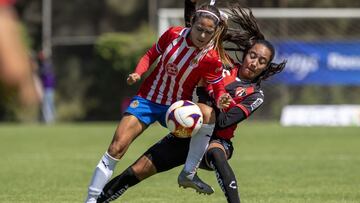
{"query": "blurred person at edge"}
pixel 188 56
pixel 16 73
pixel 47 77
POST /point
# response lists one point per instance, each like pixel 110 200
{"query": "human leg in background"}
pixel 48 109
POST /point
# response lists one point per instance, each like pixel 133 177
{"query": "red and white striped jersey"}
pixel 179 69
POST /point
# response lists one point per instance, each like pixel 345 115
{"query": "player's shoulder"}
pixel 170 34
pixel 212 53
pixel 258 90
pixel 176 30
pixel 212 57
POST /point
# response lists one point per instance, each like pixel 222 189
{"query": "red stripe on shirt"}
pixel 244 109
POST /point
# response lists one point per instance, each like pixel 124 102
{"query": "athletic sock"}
pixel 197 148
pixel 118 185
pixel 224 174
pixel 101 176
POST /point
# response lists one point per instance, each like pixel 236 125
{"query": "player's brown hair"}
pixel 221 28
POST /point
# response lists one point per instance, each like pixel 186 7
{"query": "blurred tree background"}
pixel 96 44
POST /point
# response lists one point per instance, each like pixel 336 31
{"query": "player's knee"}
pixel 215 155
pixel 143 168
pixel 116 150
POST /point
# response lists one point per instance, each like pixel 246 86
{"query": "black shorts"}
pixel 227 145
pixel 203 96
pixel 171 152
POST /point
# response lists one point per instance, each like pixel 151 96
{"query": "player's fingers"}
pixel 130 80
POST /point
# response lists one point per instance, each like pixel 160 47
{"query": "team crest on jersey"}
pixel 171 69
pixel 134 104
pixel 240 92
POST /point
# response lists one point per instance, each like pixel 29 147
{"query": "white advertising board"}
pixel 320 115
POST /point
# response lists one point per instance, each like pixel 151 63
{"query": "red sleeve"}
pixel 219 90
pixel 156 50
pixel 213 76
pixel 145 62
pixel 209 90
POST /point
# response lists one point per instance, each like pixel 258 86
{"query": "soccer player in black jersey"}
pixel 243 83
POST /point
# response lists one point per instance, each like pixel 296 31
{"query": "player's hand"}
pixel 133 78
pixel 224 101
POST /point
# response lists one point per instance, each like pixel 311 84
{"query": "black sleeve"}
pixel 233 116
pixel 241 111
pixel 189 11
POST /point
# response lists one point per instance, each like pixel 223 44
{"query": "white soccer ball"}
pixel 184 118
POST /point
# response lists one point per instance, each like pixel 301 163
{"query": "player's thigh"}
pixel 224 144
pixel 168 153
pixel 208 113
pixel 218 145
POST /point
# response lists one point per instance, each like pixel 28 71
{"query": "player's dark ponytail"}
pixel 189 10
pixel 245 30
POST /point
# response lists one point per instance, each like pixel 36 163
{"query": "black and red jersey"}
pixel 247 96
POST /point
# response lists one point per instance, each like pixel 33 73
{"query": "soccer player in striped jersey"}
pixel 187 56
pixel 243 82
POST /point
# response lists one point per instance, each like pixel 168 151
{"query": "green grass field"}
pixel 272 164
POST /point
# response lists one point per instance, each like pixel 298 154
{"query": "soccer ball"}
pixel 184 118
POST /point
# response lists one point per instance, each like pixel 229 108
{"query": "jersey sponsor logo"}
pixel 134 104
pixel 171 69
pixel 240 92
pixel 256 103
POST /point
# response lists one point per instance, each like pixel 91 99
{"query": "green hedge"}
pixel 123 50
pixel 101 79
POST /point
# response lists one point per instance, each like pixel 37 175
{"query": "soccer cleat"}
pixel 185 181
